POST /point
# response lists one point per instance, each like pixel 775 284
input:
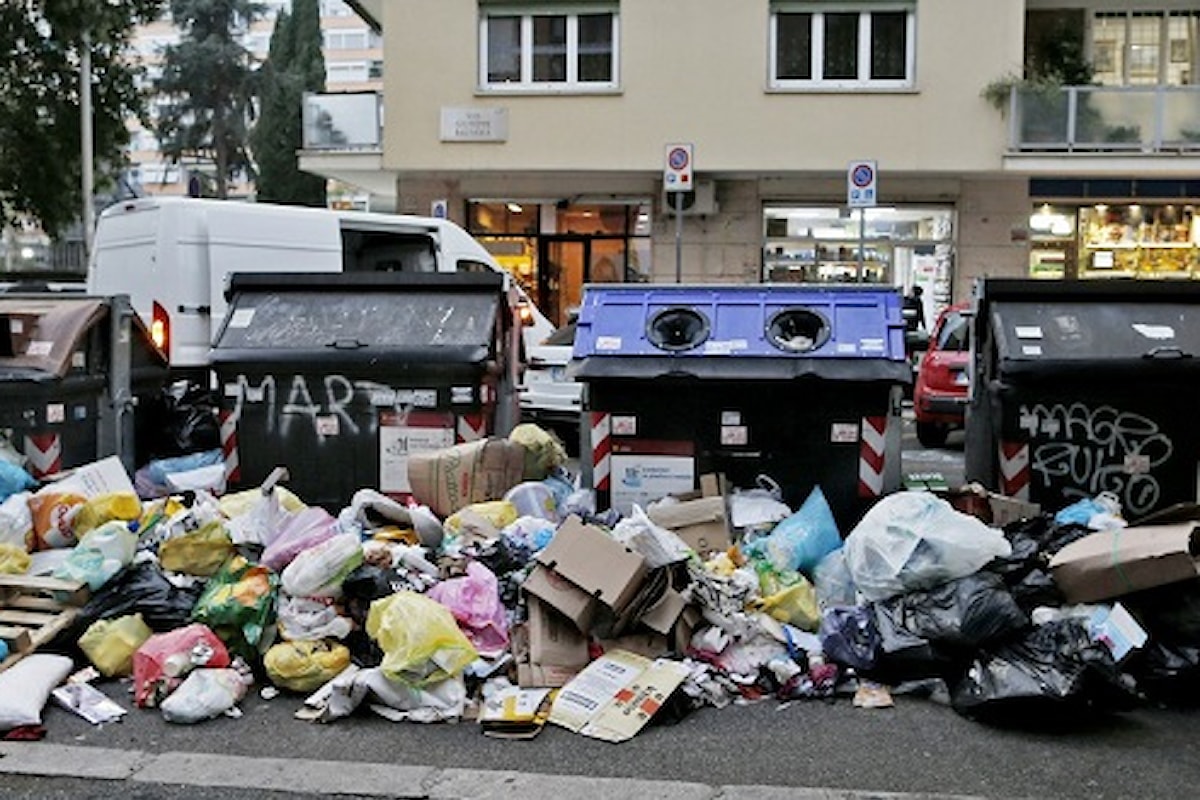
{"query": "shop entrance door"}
pixel 562 271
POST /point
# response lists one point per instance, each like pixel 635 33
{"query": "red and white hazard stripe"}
pixel 44 452
pixel 1014 469
pixel 229 446
pixel 470 428
pixel 601 450
pixel 872 446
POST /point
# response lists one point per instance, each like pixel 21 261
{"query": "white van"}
pixel 173 256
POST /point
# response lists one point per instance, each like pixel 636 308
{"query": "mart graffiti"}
pixel 1091 449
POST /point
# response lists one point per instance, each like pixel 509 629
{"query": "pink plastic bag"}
pixel 474 600
pixel 163 660
pixel 300 531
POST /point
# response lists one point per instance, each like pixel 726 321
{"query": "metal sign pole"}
pixel 679 237
pixel 862 236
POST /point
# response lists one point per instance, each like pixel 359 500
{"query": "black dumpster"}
pixel 1086 387
pixel 339 377
pixel 800 383
pixel 75 373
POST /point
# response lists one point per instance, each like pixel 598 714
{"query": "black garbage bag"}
pixel 849 636
pixel 182 420
pixel 1026 570
pixel 959 615
pixel 138 589
pixel 1167 675
pixel 1055 666
pixel 364 585
pixel 1169 613
pixel 904 656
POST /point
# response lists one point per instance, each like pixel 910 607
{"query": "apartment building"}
pixel 542 127
pixel 353 63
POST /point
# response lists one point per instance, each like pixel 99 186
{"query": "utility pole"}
pixel 85 138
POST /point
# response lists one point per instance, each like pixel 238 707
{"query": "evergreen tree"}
pixel 208 81
pixel 40 141
pixel 294 66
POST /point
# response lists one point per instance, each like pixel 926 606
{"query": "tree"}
pixel 208 82
pixel 294 66
pixel 40 153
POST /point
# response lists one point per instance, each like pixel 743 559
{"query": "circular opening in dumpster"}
pixel 798 330
pixel 677 329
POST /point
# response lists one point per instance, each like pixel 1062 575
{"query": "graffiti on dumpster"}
pixel 1092 449
pixel 329 408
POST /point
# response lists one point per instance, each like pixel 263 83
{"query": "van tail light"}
pixel 525 313
pixel 160 328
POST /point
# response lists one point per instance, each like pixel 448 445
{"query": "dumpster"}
pixel 76 373
pixel 339 377
pixel 800 383
pixel 1086 387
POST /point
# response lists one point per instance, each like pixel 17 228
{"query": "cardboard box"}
pixel 1116 562
pixel 553 640
pixel 593 565
pixel 453 478
pixel 530 674
pixel 995 509
pixel 702 524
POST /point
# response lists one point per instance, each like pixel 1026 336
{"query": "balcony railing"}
pixel 352 121
pixel 1140 119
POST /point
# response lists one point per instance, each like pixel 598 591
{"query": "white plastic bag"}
pixel 16 522
pixel 204 694
pixel 758 508
pixel 25 687
pixel 319 571
pixel 916 540
pixel 302 619
pixel 656 544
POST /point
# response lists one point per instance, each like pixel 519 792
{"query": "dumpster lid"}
pixel 38 334
pixel 741 331
pixel 419 317
pixel 1130 324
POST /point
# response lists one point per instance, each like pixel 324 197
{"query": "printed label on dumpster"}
pixel 843 433
pixel 40 348
pixel 1029 332
pixel 79 359
pixel 624 425
pixel 848 348
pixel 1158 332
pixel 56 412
pixel 397 443
pixel 724 348
pixel 871 345
pixel 241 318
pixel 643 478
pixel 608 342
pixel 1031 349
pixel 328 425
pixel 733 435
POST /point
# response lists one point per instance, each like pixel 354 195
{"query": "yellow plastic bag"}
pixel 543 450
pixel 110 643
pixel 105 508
pixel 796 604
pixel 421 642
pixel 305 666
pixel 199 552
pixel 499 513
pixel 13 560
pixel 238 503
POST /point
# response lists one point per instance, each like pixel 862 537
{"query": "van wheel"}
pixel 930 434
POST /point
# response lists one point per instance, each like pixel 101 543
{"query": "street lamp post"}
pixel 85 137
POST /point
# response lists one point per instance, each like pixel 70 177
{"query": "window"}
pixel 347 72
pixel 1145 47
pixel 838 46
pixel 548 51
pixel 340 39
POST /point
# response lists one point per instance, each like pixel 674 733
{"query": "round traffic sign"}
pixel 677 159
pixel 862 175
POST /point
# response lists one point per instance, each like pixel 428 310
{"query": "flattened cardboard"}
pixel 617 695
pixel 701 523
pixel 595 562
pixel 1113 563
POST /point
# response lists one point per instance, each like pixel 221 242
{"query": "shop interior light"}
pixel 515 208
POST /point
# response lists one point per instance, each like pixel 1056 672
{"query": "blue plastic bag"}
pixel 800 541
pixel 13 479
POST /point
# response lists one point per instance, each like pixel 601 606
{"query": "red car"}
pixel 940 396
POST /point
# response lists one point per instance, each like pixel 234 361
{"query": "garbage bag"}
pixel 849 636
pixel 100 555
pixel 204 694
pixel 915 540
pixel 263 520
pixel 474 600
pixel 14 559
pixel 142 589
pixel 124 506
pixel 53 514
pixel 795 604
pixel 438 702
pixel 319 571
pixel 200 552
pixel 300 531
pixel 13 480
pixel 110 644
pixel 182 420
pixel 26 685
pixel 905 656
pixel 1167 674
pixel 421 642
pixel 499 514
pixel 16 522
pixel 833 582
pixel 543 450
pixel 306 618
pixel 1054 666
pixel 305 666
pixel 534 499
pixel 962 614
pixel 239 602
pixel 801 540
pixel 760 507
pixel 162 661
pixel 1169 613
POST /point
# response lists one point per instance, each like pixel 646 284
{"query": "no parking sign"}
pixel 860 184
pixel 677 174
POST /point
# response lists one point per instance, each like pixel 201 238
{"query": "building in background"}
pixel 542 128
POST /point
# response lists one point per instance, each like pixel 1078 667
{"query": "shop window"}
pixel 845 48
pixel 537 51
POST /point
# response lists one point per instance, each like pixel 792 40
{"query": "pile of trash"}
pixel 499 592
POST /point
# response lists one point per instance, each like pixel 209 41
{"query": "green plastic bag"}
pixel 238 603
pixel 421 642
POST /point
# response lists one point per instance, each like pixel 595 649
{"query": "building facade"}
pixel 543 127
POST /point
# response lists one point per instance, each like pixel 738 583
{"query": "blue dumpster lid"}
pixel 1039 328
pixel 418 318
pixel 767 331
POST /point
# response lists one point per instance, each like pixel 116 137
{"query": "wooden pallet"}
pixel 34 609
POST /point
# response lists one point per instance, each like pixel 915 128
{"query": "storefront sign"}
pixel 474 124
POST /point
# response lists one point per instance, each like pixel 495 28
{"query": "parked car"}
pixel 548 396
pixel 940 395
